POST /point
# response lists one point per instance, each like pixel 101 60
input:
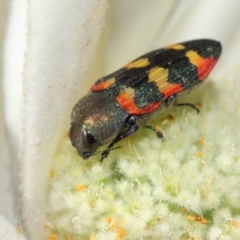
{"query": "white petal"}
pixel 9 231
pixel 13 62
pixel 61 42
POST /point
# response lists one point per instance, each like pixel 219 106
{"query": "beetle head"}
pixel 96 120
pixel 83 140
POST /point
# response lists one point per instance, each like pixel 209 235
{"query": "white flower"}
pixel 187 187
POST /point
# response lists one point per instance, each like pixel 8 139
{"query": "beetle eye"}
pixel 89 142
pixel 74 134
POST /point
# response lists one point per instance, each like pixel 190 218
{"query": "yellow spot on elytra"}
pixel 52 237
pixel 142 62
pixel 156 73
pixel 199 154
pixel 109 82
pixel 120 232
pixel 201 141
pixel 176 47
pixel 194 58
pixel 81 187
pixel 234 223
pixel 108 219
pixel 159 75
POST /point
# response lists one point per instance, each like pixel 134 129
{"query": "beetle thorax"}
pixel 100 114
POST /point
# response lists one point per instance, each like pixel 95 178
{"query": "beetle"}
pixel 118 103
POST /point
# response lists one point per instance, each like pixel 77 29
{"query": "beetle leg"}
pixel 131 128
pixel 187 104
pixel 158 133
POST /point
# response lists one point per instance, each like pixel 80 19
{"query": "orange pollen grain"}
pixel 51 173
pixel 191 218
pixel 52 237
pixel 113 226
pixel 19 230
pixel 198 219
pixel 108 219
pixel 204 221
pixel 158 128
pixel 81 187
pixel 47 225
pixel 201 141
pixel 121 232
pixel 170 118
pixel 199 104
pixel 199 154
pixel 183 209
pixel 234 223
pixel 67 134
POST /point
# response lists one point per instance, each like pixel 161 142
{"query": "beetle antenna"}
pixel 104 152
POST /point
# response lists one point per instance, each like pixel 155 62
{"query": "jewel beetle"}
pixel 121 101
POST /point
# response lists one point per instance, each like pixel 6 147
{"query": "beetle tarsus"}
pixel 158 133
pixel 188 104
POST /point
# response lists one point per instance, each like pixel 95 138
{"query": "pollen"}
pixel 52 237
pixel 81 187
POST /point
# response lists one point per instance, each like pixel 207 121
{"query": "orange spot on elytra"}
pixel 173 89
pixel 103 85
pixel 126 101
pixel 204 65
